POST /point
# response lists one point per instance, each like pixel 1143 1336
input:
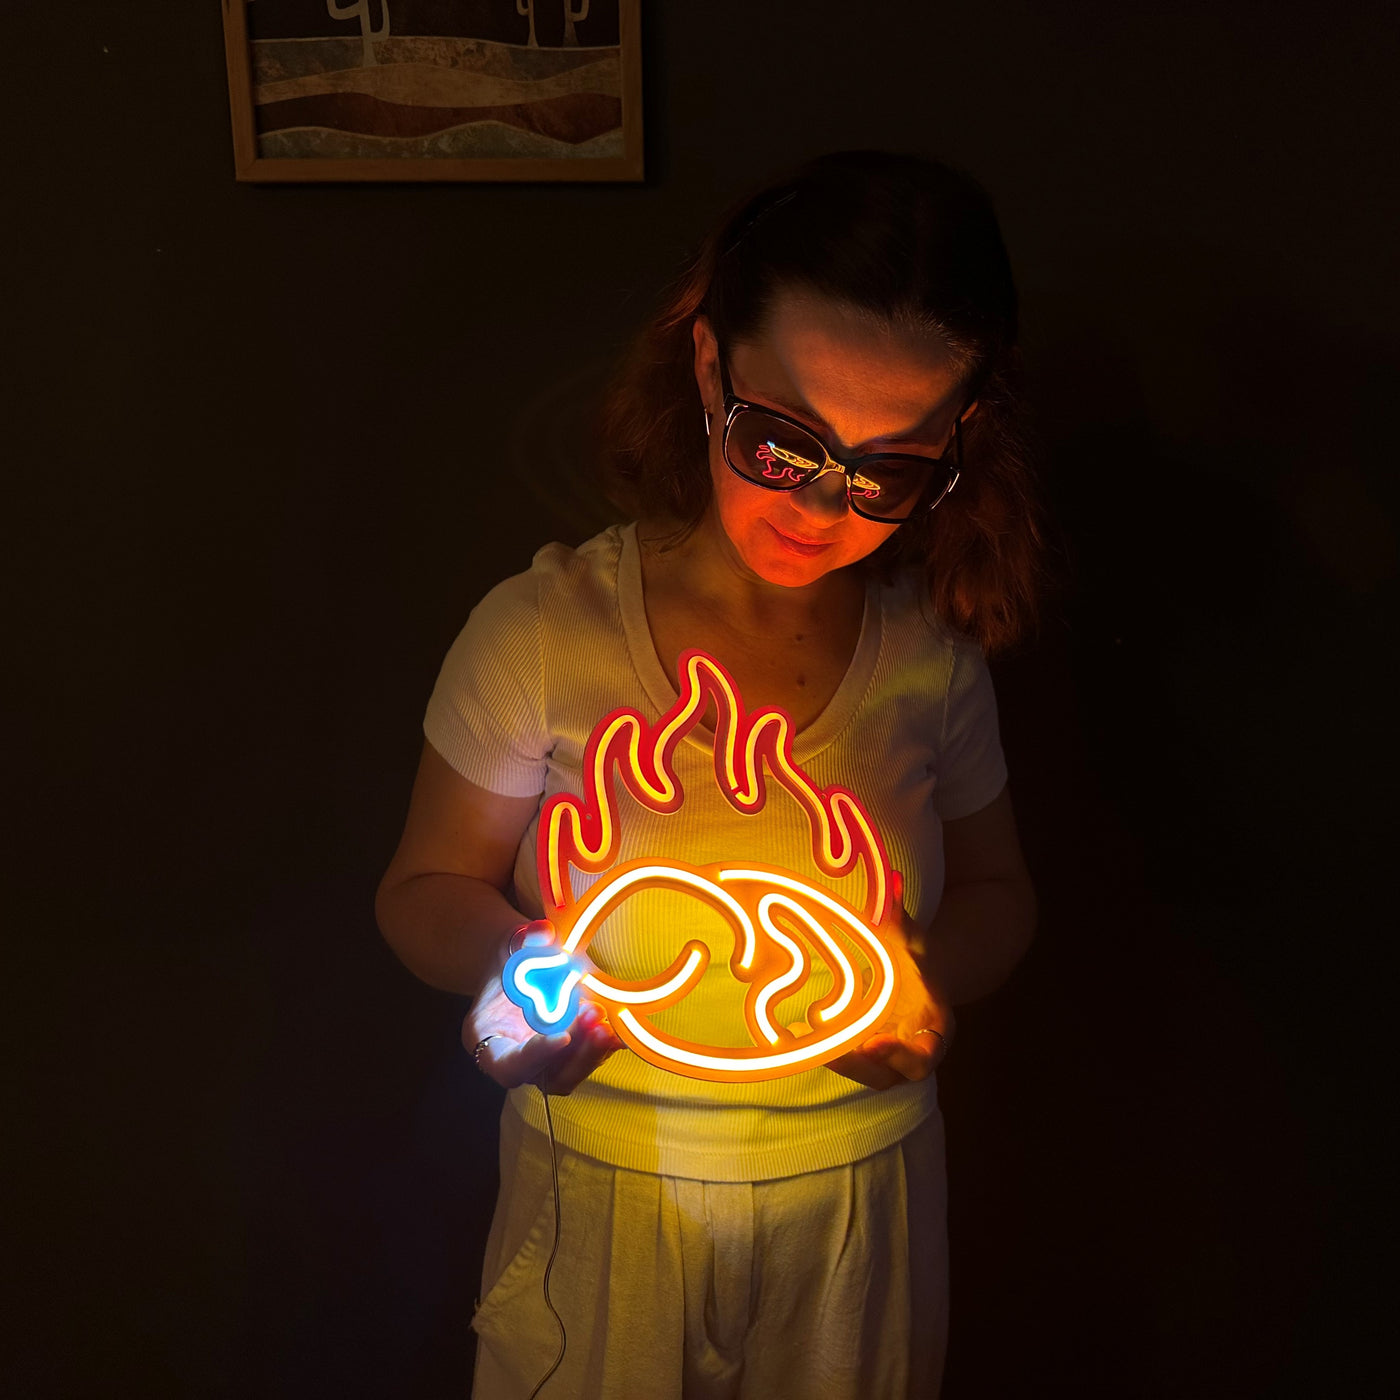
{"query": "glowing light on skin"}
pixel 584 834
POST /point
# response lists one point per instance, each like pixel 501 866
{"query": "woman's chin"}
pixel 762 550
pixel 787 573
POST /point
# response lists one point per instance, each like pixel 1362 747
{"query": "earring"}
pixel 707 422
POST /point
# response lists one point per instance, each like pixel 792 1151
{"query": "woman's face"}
pixel 861 386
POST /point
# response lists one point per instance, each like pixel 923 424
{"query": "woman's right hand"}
pixel 517 1054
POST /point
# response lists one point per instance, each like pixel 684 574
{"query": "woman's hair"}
pixel 914 243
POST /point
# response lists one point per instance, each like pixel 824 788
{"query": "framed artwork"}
pixel 435 89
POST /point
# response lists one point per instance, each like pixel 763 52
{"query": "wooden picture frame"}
pixel 332 90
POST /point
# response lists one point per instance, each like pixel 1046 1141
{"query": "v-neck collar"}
pixel 661 689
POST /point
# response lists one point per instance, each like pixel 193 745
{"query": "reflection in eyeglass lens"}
pixel 778 464
pixel 783 457
pixel 772 452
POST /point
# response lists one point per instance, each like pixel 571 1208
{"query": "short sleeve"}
pixel 486 712
pixel 970 768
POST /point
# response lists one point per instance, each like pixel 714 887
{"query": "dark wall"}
pixel 267 446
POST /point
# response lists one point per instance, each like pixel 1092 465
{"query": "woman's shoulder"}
pixel 565 589
pixel 559 569
pixel 598 557
pixel 565 603
pixel 911 620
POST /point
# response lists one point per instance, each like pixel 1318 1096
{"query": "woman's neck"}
pixel 708 570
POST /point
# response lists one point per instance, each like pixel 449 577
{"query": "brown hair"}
pixel 916 243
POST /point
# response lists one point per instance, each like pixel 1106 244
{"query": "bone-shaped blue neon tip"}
pixel 544 984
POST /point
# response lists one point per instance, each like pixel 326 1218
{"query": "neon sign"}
pixel 778 920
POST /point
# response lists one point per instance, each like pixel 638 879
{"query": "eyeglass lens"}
pixel 784 457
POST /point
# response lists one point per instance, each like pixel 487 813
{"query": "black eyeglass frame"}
pixel 848 466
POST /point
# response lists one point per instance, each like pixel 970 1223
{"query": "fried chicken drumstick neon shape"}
pixel 779 921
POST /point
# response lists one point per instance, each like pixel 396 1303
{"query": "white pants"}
pixel 830 1285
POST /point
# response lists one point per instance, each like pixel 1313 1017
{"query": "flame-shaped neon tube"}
pixel 770 957
pixel 584 832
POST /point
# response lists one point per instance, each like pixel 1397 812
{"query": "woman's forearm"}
pixel 981 931
pixel 449 930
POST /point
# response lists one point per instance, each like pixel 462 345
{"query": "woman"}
pixel 784 1238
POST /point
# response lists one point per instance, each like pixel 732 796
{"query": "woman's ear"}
pixel 706 363
pixel 968 412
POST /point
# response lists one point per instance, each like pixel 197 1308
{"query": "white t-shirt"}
pixel 911 730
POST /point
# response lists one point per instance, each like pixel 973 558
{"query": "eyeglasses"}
pixel 774 451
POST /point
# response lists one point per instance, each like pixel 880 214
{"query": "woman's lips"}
pixel 806 548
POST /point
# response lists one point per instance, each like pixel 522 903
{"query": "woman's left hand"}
pixel 896 1052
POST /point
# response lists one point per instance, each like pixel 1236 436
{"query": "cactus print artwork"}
pixel 445 79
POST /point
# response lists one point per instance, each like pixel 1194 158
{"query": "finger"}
pixel 566 1075
pixel 900 1059
pixel 910 1058
pixel 936 1042
pixel 495 1015
pixel 865 1069
pixel 593 1041
pixel 517 1064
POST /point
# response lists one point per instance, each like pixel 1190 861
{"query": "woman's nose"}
pixel 824 500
